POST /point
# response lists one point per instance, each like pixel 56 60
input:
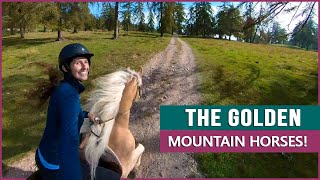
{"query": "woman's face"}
pixel 80 68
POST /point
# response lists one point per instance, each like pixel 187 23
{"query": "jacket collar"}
pixel 73 82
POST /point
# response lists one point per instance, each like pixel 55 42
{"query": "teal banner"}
pixel 280 117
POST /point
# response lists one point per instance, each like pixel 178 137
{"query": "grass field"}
pixel 22 122
pixel 243 73
pixel 234 73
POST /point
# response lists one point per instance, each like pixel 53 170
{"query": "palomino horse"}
pixel 111 132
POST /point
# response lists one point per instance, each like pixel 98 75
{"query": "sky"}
pixel 283 18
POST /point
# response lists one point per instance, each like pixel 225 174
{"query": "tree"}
pixel 8 12
pixel 278 34
pixel 126 15
pixel 21 15
pixel 100 22
pixel 158 8
pixel 179 18
pixel 78 15
pixel 270 10
pixel 249 28
pixel 249 33
pixel 50 16
pixel 108 15
pixel 307 36
pixel 229 21
pixel 90 23
pixel 116 13
pixel 150 23
pixel 201 19
pixel 168 20
pixel 139 16
pixel 63 9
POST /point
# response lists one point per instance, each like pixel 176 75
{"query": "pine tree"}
pixel 139 16
pixel 126 15
pixel 108 15
pixel 179 18
pixel 150 23
pixel 201 21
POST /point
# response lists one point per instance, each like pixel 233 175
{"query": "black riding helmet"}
pixel 71 51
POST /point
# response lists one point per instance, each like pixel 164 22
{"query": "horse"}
pixel 110 134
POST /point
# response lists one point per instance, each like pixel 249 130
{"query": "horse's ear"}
pixel 140 70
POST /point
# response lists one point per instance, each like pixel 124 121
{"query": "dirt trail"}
pixel 170 78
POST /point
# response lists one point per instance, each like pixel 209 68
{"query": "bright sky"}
pixel 283 18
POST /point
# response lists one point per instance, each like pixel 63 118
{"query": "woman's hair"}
pixel 43 89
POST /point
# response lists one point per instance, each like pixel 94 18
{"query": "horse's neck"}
pixel 122 120
pixel 108 127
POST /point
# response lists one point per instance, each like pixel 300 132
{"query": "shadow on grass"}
pixel 295 93
pixel 259 165
pixel 283 89
pixel 76 39
pixel 146 35
pixel 229 87
pixel 20 133
pixel 17 42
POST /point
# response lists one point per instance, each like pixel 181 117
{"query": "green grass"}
pixel 234 73
pixel 243 73
pixel 231 73
pixel 258 165
pixel 22 122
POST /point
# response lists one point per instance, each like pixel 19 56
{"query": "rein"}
pixel 103 123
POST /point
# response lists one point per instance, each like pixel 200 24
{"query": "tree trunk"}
pixel 75 30
pixel 21 31
pixel 128 29
pixel 60 38
pixel 254 35
pixel 12 32
pixel 116 33
pixel 161 19
pixel 45 28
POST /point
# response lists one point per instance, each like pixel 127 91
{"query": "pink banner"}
pixel 239 141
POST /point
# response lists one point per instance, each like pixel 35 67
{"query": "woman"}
pixel 57 156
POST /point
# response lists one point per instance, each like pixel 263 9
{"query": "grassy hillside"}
pixel 234 73
pixel 22 122
pixel 243 73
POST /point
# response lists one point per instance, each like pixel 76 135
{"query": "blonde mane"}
pixel 104 103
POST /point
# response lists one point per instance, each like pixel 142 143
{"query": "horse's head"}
pixel 114 94
pixel 104 100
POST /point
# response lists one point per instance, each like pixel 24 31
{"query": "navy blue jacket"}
pixel 60 142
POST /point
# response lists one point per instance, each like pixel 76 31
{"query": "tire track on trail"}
pixel 170 78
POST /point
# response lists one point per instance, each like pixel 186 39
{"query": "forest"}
pixel 251 22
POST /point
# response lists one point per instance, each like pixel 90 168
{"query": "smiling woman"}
pixel 80 68
pixel 57 155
